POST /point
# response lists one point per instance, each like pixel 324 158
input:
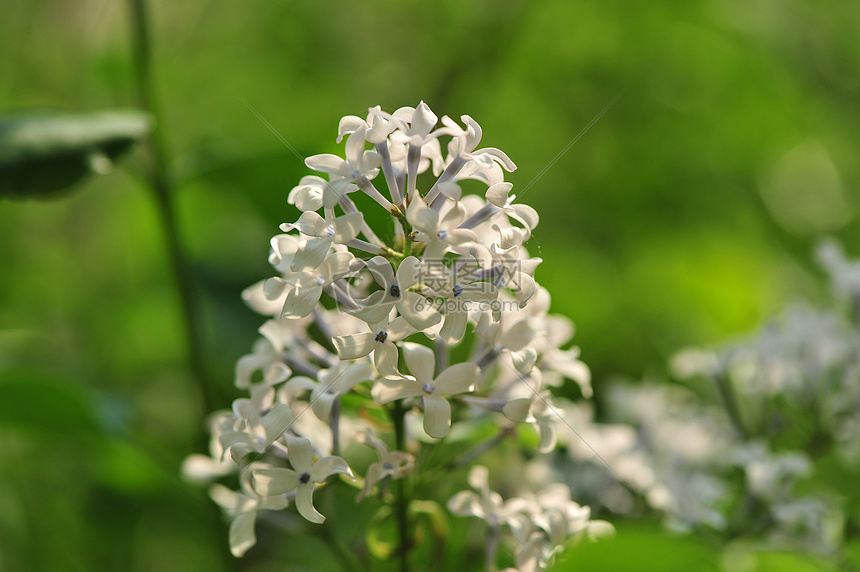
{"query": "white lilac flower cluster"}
pixel 364 320
pixel 540 524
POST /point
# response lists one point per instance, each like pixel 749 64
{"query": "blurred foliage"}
pixel 643 547
pixel 684 215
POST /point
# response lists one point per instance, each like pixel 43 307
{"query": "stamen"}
pixel 381 337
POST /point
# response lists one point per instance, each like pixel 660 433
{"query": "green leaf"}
pixel 41 154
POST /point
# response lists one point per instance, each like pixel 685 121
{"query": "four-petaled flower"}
pixel 380 340
pixel 414 308
pixel 393 464
pixel 459 378
pixel 302 478
pixel 243 508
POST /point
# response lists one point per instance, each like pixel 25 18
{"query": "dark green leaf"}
pixel 41 154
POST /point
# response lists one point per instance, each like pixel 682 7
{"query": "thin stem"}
pixel 162 185
pixel 492 547
pixel 401 503
pixel 334 422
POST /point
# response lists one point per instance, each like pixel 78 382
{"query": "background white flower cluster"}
pixel 738 450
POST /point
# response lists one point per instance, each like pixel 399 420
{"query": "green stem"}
pixel 727 393
pixel 162 184
pixel 401 502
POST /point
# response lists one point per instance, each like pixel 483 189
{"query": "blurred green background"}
pixel 685 214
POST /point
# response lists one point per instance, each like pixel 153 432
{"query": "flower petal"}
pixel 409 272
pixel 382 272
pixel 311 224
pixel 374 309
pixel 355 346
pixel 231 501
pixel 375 473
pixel 524 360
pixel 466 503
pixel 420 360
pixel 347 227
pixel 518 409
pixel 270 482
pixel 498 194
pixel 388 390
pixel 328 466
pixel 385 359
pixel 399 328
pixel 437 415
pixel 418 311
pixel 458 378
pixel 311 253
pixel 276 421
pixel 300 453
pixel 242 536
pixel 301 300
pixel 327 163
pixel 454 327
pixel 345 376
pixel 322 401
pixel 354 147
pixel 547 436
pixel 422 217
pixel 305 504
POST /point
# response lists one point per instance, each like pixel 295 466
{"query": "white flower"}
pixel 314 192
pixel 312 251
pixel 357 165
pixel 537 411
pixel 415 129
pixel 380 340
pixel 243 508
pixel 499 196
pixel 488 505
pixel 513 333
pixel 303 477
pixel 459 286
pixel 202 469
pixel 264 357
pixel 395 465
pixel 254 432
pixel 458 378
pixel 395 292
pixel 308 285
pixel 439 234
